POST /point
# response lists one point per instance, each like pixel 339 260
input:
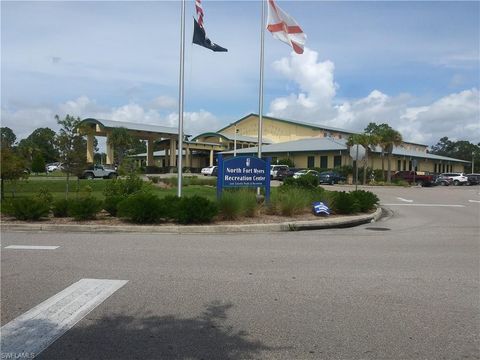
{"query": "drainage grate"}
pixel 377 228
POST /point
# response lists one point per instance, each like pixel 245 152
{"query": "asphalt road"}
pixel 406 287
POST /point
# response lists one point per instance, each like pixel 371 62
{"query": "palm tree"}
pixel 389 139
pixel 368 141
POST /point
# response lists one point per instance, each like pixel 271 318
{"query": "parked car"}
pixel 457 178
pixel 53 166
pixel 99 171
pixel 421 178
pixel 274 170
pixel 305 172
pixel 473 179
pixel 330 177
pixel 282 174
pixel 443 180
pixel 208 171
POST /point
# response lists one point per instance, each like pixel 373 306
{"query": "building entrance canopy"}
pixel 150 133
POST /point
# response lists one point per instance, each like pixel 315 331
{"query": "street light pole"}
pixel 235 142
pixel 473 162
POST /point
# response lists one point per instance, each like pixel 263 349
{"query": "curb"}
pixel 324 223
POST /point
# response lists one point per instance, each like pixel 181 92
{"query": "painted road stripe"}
pixel 402 199
pixel 38 328
pixel 430 205
pixel 31 247
pixel 474 201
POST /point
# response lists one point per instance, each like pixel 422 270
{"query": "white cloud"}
pixel 23 122
pixel 456 115
pixel 195 123
pixel 316 84
pixel 164 102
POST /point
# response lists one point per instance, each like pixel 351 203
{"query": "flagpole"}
pixel 260 95
pixel 180 101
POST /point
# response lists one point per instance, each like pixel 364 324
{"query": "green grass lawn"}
pixel 57 186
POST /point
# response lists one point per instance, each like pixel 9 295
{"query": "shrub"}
pixel 45 195
pixel 293 201
pixel 230 205
pixel 38 164
pixel 6 207
pixel 29 208
pixel 142 208
pixel 111 203
pixel 154 179
pixel 188 181
pixel 249 203
pixel 237 203
pixel 400 182
pixel 285 161
pixel 344 170
pixel 307 181
pixel 196 209
pixel 60 208
pixel 366 199
pixel 171 205
pixel 343 203
pixel 85 208
pixel 131 184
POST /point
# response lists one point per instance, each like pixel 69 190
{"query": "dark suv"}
pixel 330 177
pixel 473 179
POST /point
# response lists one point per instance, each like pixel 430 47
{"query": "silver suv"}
pixel 99 171
pixel 457 178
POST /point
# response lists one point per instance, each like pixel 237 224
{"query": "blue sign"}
pixel 243 171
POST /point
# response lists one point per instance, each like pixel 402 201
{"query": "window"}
pixel 337 161
pixel 324 162
pixel 311 162
pixel 435 168
pixel 410 165
pixel 404 165
pixel 399 165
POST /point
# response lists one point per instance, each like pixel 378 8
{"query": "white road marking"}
pixel 31 247
pixel 38 328
pixel 430 205
pixel 474 201
pixel 402 199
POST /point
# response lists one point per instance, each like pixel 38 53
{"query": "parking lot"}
pixel 406 287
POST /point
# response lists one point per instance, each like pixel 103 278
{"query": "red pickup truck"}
pixel 421 178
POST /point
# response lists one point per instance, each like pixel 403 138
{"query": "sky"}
pixel 412 65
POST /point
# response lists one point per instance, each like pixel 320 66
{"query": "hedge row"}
pixel 132 200
pixel 140 207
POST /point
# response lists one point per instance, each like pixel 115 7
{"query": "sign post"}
pixel 243 171
pixel 357 153
pixel 414 166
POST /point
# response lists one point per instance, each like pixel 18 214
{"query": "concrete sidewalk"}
pixel 321 223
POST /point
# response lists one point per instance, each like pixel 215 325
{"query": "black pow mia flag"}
pixel 200 38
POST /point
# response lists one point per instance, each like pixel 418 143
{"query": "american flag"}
pixel 199 9
pixel 320 208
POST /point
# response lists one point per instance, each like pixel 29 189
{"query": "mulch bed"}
pixel 103 218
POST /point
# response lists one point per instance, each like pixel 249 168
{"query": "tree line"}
pixel 387 138
pixel 68 146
